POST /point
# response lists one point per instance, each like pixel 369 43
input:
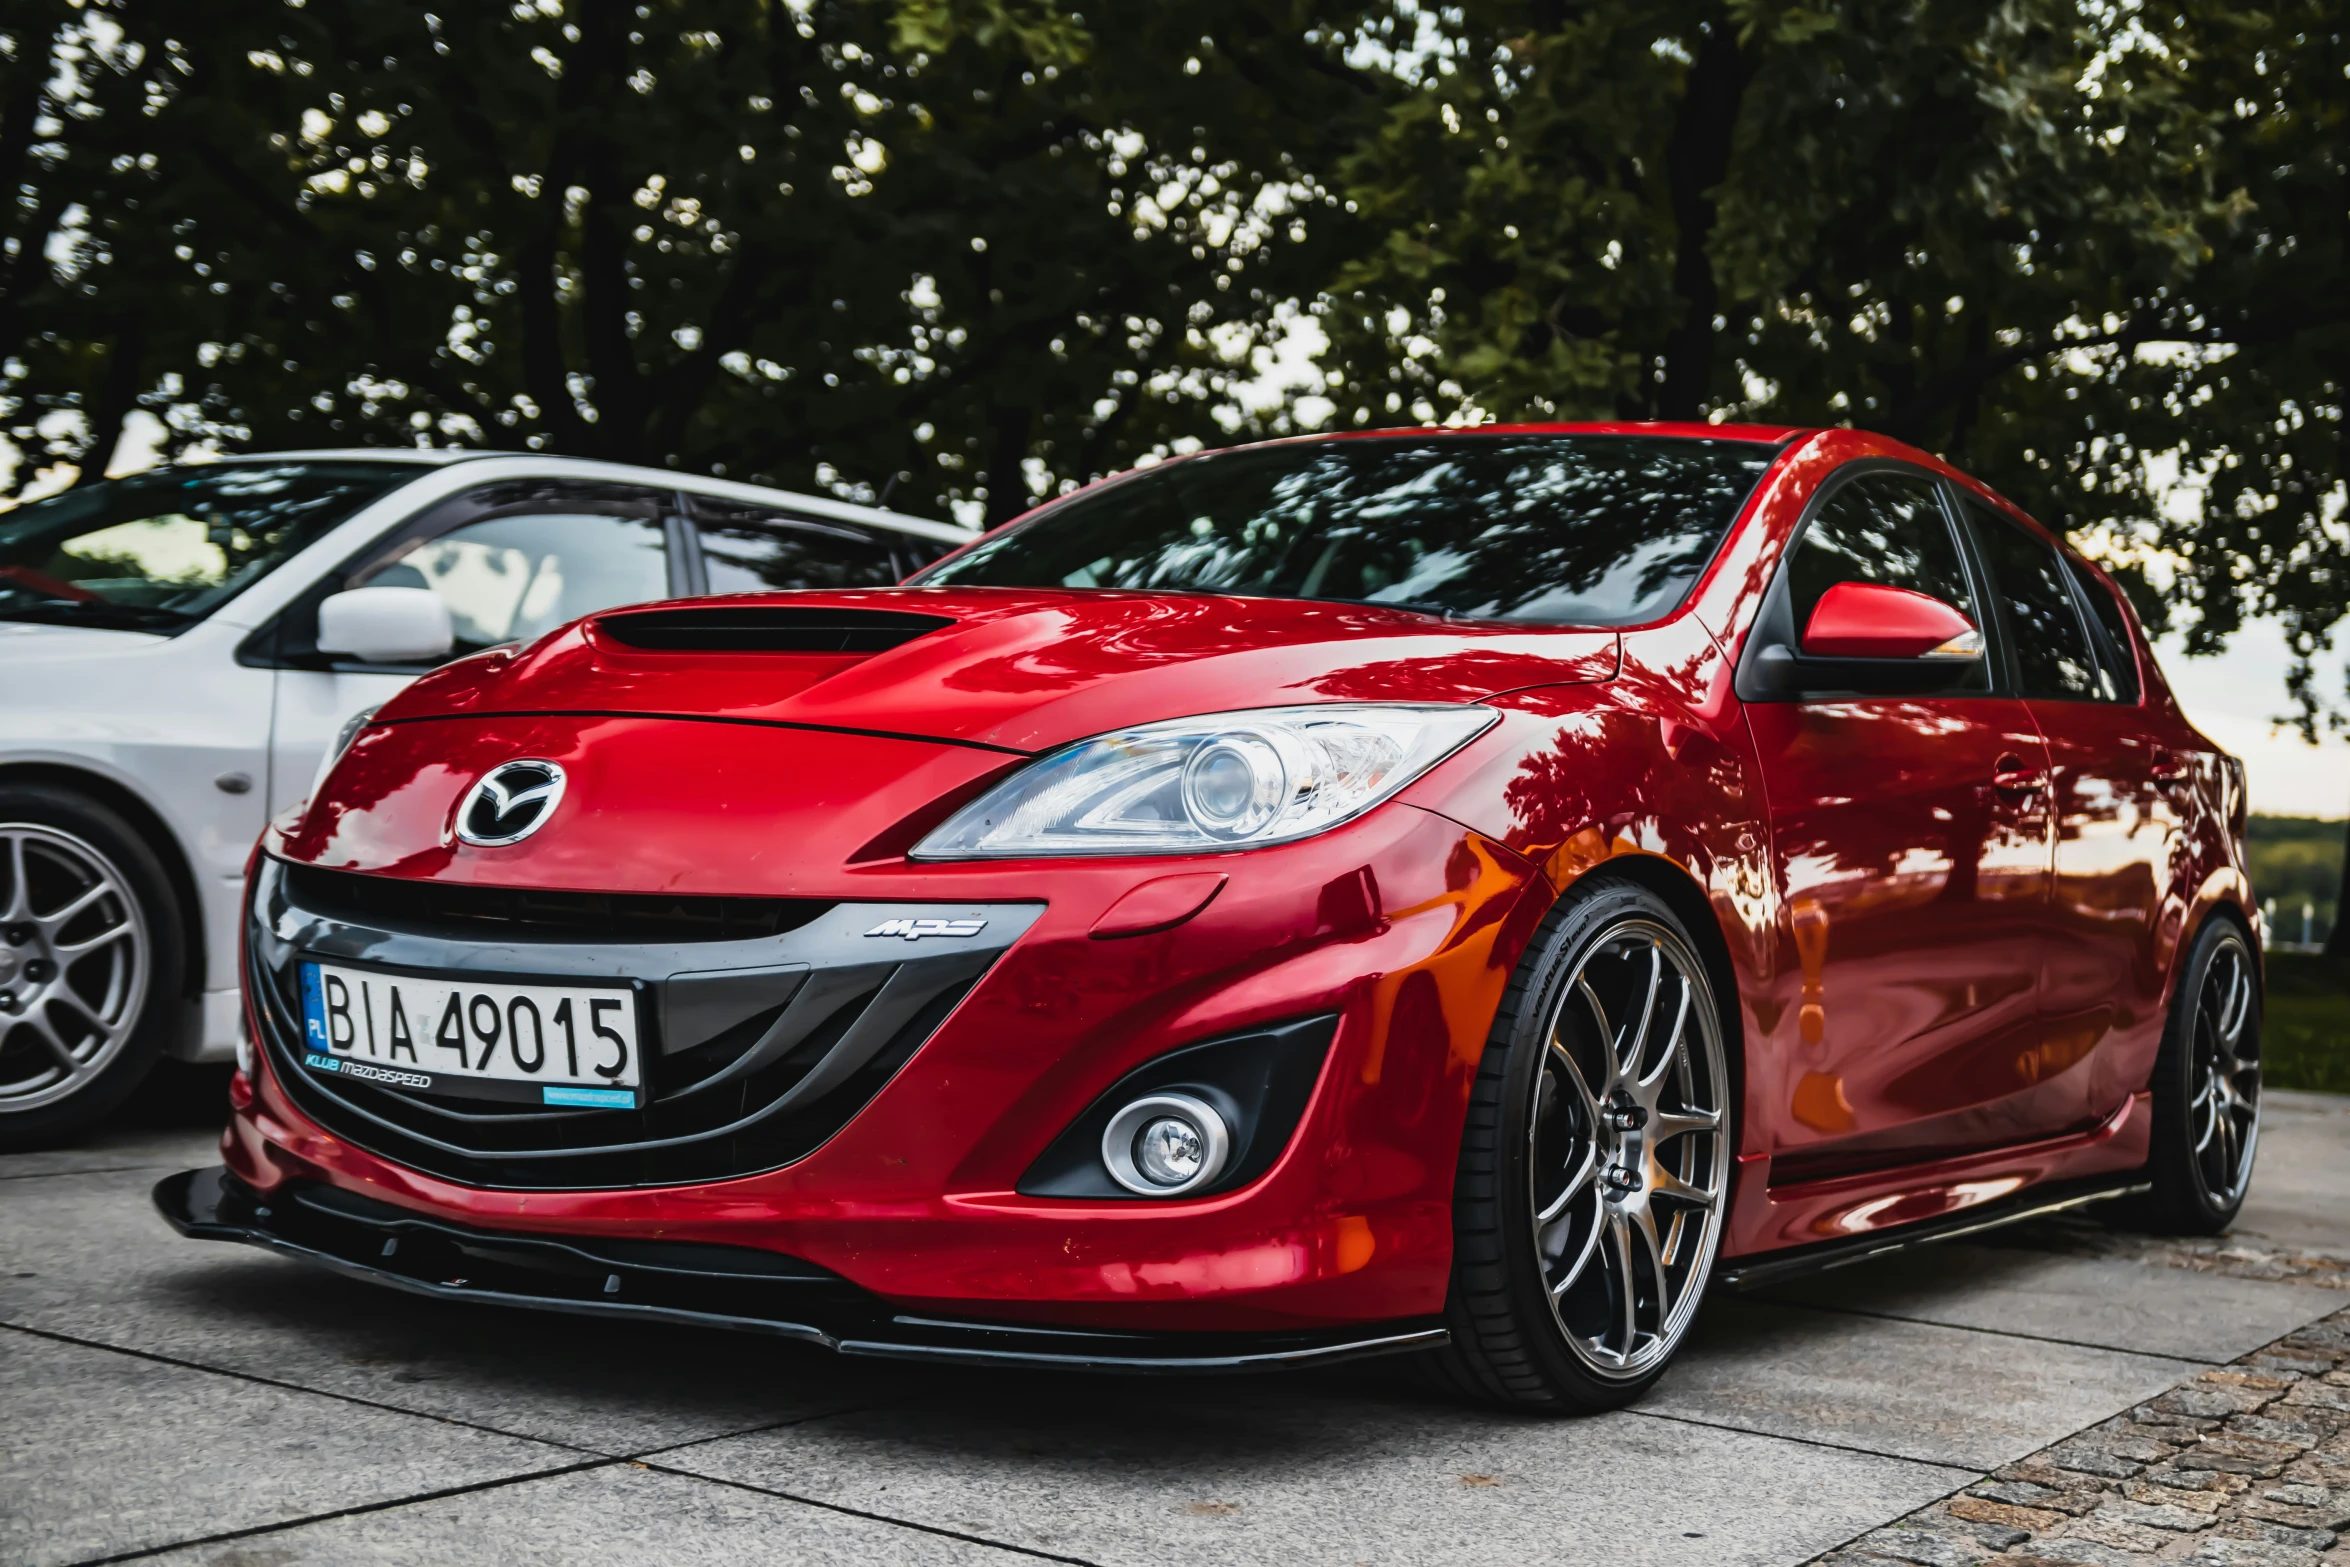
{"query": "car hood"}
pixel 26 642
pixel 1017 669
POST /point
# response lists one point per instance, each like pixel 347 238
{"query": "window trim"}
pixel 2091 636
pixel 2084 577
pixel 1774 622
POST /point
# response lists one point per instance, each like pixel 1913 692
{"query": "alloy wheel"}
pixel 1628 1159
pixel 2223 1116
pixel 74 965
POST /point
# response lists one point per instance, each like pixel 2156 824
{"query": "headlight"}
pixel 1222 781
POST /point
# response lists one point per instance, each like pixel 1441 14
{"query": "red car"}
pixel 1464 892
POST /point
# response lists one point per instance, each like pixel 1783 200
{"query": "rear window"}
pixel 1582 530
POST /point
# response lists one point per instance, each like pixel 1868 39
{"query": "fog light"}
pixel 1165 1145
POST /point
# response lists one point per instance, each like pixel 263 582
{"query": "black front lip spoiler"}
pixel 701 1287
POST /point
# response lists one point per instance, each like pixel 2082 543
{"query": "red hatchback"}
pixel 1441 891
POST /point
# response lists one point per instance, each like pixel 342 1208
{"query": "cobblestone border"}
pixel 2244 1466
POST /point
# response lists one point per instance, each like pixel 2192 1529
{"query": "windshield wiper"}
pixel 1413 606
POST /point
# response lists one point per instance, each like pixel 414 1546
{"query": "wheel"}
pixel 1595 1163
pixel 2207 1089
pixel 90 963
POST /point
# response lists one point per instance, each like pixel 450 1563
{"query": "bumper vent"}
pixel 507 913
pixel 758 1050
pixel 767 628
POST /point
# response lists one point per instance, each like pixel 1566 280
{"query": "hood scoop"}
pixel 767 628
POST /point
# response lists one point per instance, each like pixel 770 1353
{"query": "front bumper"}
pixel 921 1185
pixel 735 1287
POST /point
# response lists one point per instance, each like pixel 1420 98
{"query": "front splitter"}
pixel 737 1288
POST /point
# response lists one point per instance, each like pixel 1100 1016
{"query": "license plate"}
pixel 567 1045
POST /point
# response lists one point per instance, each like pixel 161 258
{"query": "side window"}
pixel 748 550
pixel 1886 528
pixel 512 578
pixel 2117 655
pixel 2051 645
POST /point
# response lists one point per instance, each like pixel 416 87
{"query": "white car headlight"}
pixel 1219 781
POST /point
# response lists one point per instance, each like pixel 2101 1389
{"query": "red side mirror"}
pixel 1870 620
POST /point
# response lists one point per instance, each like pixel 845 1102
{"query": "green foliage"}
pixel 2305 1023
pixel 2296 860
pixel 962 253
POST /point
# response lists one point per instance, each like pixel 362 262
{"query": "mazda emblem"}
pixel 512 801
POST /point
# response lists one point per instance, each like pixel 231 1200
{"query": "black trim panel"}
pixel 1769 1268
pixel 696 1285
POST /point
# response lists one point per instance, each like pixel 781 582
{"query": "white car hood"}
pixel 24 642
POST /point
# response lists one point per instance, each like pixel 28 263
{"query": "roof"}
pixel 628 473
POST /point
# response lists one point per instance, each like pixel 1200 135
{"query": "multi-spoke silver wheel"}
pixel 1594 1177
pixel 2223 1109
pixel 1627 1155
pixel 2206 1087
pixel 74 965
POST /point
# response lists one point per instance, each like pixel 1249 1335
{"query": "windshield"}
pixel 1584 530
pixel 158 550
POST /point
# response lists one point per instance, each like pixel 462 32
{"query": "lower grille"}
pixel 758 1050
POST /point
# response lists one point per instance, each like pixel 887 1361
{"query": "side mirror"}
pixel 1866 639
pixel 1870 620
pixel 386 625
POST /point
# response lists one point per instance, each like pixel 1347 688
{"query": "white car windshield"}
pixel 156 551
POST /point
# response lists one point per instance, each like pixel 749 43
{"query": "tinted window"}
pixel 513 578
pixel 1553 529
pixel 2117 656
pixel 745 550
pixel 164 548
pixel 1886 528
pixel 2051 648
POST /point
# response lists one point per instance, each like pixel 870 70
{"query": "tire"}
pixel 1584 1190
pixel 2206 1089
pixel 92 956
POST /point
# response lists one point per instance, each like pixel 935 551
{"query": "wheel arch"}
pixel 149 824
pixel 1680 891
pixel 2224 894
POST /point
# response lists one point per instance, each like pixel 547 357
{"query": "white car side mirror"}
pixel 386 625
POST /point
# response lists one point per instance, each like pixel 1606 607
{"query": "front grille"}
pixel 757 1049
pixel 496 913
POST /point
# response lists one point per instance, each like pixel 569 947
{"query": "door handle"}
pixel 2011 774
pixel 2169 769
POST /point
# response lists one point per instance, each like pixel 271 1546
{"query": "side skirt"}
pixel 1749 1273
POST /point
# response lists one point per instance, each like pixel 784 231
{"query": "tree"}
pixel 954 253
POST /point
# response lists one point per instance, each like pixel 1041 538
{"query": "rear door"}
pixel 759 549
pixel 2075 663
pixel 1911 840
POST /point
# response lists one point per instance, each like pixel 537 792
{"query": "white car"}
pixel 179 649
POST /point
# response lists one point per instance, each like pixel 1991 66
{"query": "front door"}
pixel 512 562
pixel 1911 838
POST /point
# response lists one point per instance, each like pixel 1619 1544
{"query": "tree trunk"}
pixel 117 397
pixel 1007 485
pixel 1697 161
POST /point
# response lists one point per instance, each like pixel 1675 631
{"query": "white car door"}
pixel 512 560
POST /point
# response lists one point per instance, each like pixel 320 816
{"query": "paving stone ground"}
pixel 2066 1393
pixel 2246 1466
